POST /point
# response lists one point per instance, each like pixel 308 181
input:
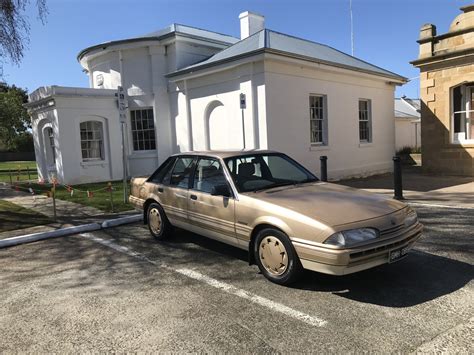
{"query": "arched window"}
pixel 463 113
pixel 92 141
pixel 50 147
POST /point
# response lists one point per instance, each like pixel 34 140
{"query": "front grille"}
pixel 392 230
pixel 382 247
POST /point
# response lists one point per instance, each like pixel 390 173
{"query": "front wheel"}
pixel 158 224
pixel 276 257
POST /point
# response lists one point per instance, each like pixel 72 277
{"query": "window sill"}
pixel 86 164
pixel 141 154
pixel 318 147
pixel 366 144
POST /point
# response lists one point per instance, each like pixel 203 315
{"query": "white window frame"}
pixel 97 137
pixel 367 119
pixel 467 91
pixel 323 120
pixel 134 130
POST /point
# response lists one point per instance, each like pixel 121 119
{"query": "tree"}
pixel 14 118
pixel 15 29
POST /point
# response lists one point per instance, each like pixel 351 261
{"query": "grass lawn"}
pixel 16 217
pixel 14 166
pixel 100 197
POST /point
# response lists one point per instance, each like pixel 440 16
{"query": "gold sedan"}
pixel 268 204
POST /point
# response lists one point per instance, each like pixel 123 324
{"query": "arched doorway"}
pixel 223 129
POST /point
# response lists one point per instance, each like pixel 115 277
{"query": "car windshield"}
pixel 265 171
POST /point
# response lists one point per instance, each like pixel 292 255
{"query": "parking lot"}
pixel 119 290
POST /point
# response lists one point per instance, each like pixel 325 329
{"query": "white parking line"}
pixel 262 301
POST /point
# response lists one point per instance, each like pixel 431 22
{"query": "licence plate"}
pixel 398 254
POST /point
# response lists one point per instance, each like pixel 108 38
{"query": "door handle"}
pixel 160 189
pixel 193 197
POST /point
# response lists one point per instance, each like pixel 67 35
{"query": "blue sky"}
pixel 385 31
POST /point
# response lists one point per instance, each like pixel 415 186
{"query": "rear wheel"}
pixel 276 257
pixel 158 224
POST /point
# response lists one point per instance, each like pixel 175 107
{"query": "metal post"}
pixel 53 194
pixel 11 179
pixel 124 156
pixel 243 127
pixel 397 179
pixel 111 197
pixel 324 167
pixel 29 176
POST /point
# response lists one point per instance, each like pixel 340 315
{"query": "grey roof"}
pixel 169 31
pixel 276 42
pixel 407 108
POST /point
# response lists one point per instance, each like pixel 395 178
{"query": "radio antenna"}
pixel 352 28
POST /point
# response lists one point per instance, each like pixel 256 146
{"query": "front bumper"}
pixel 347 261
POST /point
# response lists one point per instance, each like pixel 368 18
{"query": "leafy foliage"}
pixel 14 119
pixel 15 29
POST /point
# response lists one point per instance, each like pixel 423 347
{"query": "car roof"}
pixel 226 153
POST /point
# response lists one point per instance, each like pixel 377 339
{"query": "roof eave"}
pixel 150 38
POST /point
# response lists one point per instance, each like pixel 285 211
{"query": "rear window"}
pixel 158 176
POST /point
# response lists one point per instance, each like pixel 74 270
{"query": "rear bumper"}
pixel 348 261
pixel 136 202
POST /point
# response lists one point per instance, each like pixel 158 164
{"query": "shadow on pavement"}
pixel 419 278
pixel 413 180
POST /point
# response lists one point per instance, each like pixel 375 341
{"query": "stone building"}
pixel 446 63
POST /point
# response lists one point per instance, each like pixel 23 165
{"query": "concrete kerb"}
pixel 29 238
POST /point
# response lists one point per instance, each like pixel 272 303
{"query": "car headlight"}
pixel 353 236
pixel 410 219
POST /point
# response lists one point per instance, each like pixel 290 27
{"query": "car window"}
pixel 158 176
pixel 181 172
pixel 283 169
pixel 264 171
pixel 208 174
pixel 241 163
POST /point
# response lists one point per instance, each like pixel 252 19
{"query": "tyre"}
pixel 158 224
pixel 276 257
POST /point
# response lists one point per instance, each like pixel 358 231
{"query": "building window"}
pixel 92 142
pixel 463 113
pixel 52 146
pixel 365 121
pixel 143 129
pixel 318 119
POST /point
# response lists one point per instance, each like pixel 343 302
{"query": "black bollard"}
pixel 397 179
pixel 324 167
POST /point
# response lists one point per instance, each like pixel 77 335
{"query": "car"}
pixel 266 203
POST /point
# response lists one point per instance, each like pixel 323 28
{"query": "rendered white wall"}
pixel 407 133
pixel 288 88
pixel 214 109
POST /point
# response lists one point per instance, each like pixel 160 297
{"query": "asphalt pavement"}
pixel 119 290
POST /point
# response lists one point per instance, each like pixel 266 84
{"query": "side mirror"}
pixel 220 190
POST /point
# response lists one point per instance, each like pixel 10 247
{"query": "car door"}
pixel 174 189
pixel 212 216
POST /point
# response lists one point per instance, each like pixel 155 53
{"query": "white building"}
pixel 183 87
pixel 407 123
